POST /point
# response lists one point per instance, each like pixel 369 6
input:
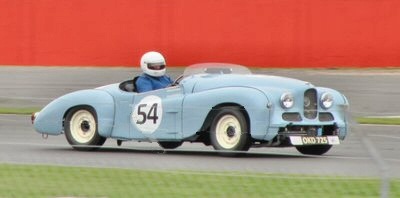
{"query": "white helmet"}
pixel 153 64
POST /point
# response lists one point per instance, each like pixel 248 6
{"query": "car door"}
pixel 157 115
pixel 123 110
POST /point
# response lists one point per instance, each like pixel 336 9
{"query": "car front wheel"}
pixel 314 149
pixel 229 131
pixel 81 129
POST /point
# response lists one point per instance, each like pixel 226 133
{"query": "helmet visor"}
pixel 156 66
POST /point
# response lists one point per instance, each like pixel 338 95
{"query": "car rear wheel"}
pixel 229 131
pixel 170 145
pixel 314 149
pixel 81 129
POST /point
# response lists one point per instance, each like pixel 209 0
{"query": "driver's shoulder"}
pixel 144 77
pixel 152 78
pixel 167 78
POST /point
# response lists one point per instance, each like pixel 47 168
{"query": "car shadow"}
pixel 199 153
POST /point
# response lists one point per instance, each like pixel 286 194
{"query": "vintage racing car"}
pixel 218 104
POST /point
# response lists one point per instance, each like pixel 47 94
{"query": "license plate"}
pixel 314 140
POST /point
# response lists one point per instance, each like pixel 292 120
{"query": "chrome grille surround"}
pixel 310 104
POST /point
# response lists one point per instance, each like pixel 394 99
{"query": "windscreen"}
pixel 215 68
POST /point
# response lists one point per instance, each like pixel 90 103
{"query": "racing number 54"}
pixel 151 115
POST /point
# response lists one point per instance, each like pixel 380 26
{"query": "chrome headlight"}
pixel 287 100
pixel 326 100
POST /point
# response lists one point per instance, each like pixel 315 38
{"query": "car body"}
pixel 219 104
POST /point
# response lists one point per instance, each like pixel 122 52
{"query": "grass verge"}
pixel 18 111
pixel 379 120
pixel 55 181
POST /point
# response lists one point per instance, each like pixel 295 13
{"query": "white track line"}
pixel 385 136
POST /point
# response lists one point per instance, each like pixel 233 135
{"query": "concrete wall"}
pixel 270 33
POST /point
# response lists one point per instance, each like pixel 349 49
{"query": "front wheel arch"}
pixel 210 116
pixel 205 128
pixel 229 131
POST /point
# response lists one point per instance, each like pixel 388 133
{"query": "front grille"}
pixel 310 104
pixel 299 130
pixel 325 117
pixel 291 117
pixel 292 130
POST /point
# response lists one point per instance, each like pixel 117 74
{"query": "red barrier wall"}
pixel 273 33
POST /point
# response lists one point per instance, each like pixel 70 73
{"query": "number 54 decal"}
pixel 147 114
pixel 151 115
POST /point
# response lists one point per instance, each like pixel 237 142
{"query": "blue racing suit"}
pixel 148 83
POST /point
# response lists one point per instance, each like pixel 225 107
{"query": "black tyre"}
pixel 314 149
pixel 81 129
pixel 230 131
pixel 170 145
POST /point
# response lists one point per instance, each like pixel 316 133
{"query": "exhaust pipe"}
pixel 34 116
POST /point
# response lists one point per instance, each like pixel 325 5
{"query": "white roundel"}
pixel 147 114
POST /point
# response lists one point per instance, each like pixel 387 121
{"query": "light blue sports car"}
pixel 218 104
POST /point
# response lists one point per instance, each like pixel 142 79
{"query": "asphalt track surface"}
pixel 367 151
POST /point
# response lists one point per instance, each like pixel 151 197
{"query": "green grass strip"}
pixel 56 181
pixel 379 120
pixel 18 111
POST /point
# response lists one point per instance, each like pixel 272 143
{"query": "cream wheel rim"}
pixel 228 131
pixel 83 126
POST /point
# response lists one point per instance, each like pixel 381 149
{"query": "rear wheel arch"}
pixel 77 107
pixel 81 128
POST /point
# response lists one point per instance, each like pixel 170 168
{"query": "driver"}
pixel 153 77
